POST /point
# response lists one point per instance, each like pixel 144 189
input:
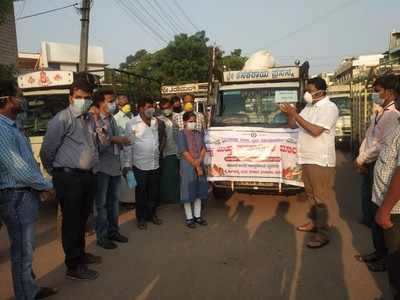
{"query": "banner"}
pixel 253 154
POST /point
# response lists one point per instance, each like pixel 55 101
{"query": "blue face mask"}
pixel 82 105
pixel 112 107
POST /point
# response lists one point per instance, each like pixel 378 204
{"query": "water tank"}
pixel 260 60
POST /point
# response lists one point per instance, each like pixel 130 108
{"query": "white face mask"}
pixel 308 97
pixel 82 105
pixel 191 125
pixel 377 100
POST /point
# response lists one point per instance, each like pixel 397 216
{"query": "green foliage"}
pixel 186 59
pixel 234 61
pixel 5 9
pixel 7 72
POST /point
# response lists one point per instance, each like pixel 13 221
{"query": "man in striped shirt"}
pixel 386 195
pixel 21 186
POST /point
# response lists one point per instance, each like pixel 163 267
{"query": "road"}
pixel 250 250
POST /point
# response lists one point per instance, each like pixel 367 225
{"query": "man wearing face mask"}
pixel 316 154
pixel 176 104
pixel 69 152
pixel 188 106
pixel 21 186
pixel 108 173
pixel 169 189
pixel 386 194
pixel 379 133
pixel 123 116
pixel 142 158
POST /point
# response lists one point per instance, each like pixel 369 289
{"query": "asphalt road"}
pixel 250 250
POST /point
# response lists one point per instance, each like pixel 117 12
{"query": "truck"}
pixel 340 95
pixel 249 140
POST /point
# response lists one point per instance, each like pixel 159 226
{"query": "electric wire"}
pixel 47 11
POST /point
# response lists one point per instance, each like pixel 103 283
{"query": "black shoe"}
pixel 368 258
pixel 128 206
pixel 90 259
pixel 45 292
pixel 191 224
pixel 118 238
pixel 201 221
pixel 377 266
pixel 106 244
pixel 82 273
pixel 142 225
pixel 156 220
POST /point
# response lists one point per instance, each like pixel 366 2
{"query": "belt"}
pixel 72 170
pixel 22 189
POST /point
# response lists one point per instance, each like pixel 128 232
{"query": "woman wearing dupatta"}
pixel 194 187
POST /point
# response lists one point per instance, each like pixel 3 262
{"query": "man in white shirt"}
pixel 123 116
pixel 142 157
pixel 316 154
pixel 379 133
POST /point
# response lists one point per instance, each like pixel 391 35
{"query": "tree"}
pixel 5 10
pixel 185 59
pixel 234 61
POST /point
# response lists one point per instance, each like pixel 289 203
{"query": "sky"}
pixel 320 31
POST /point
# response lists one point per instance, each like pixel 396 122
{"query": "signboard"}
pixel 186 88
pixel 253 154
pixel 286 96
pixel 262 75
pixel 45 79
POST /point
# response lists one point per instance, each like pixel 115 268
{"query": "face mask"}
pixel 308 97
pixel 191 125
pixel 377 100
pixel 82 105
pixel 167 112
pixel 112 107
pixel 126 108
pixel 149 113
pixel 188 106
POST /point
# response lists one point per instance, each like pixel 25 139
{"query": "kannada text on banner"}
pixel 253 154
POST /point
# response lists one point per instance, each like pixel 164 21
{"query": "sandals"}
pixel 191 224
pixel 317 240
pixel 308 227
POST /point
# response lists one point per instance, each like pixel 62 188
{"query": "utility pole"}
pixel 84 46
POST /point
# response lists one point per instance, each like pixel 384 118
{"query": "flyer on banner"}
pixel 253 154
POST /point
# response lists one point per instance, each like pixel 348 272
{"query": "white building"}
pixel 60 56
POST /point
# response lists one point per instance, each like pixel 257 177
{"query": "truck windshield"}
pixel 253 106
pixel 40 110
pixel 343 104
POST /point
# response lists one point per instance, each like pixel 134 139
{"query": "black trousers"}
pixel 378 238
pixel 147 193
pixel 392 239
pixel 76 192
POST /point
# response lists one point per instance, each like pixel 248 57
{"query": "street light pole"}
pixel 84 45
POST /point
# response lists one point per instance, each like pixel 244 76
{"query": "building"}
pixel 356 67
pixel 8 41
pixel 60 57
pixel 391 60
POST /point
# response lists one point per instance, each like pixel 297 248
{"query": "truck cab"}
pixel 247 103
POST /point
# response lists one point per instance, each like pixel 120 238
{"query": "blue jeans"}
pixel 107 205
pixel 19 212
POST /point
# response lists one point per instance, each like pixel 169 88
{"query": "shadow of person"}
pixel 274 269
pixel 321 274
pixel 348 195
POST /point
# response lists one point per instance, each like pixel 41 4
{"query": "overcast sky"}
pixel 318 30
